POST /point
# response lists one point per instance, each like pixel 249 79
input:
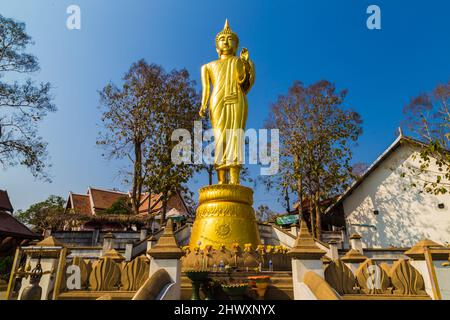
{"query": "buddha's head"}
pixel 227 42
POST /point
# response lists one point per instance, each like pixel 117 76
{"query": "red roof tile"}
pixel 156 204
pixel 10 226
pixel 80 204
pixel 103 199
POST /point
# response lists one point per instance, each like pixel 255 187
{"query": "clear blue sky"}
pixel 288 40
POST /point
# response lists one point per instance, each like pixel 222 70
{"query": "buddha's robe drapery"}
pixel 231 78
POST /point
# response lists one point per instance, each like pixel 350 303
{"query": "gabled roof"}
pixel 103 199
pixel 394 146
pixel 5 203
pixel 175 202
pixel 153 201
pixel 307 203
pixel 80 203
pixel 10 226
pixel 98 199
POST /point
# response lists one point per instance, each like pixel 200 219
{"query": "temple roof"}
pixel 103 199
pixel 97 200
pixel 5 203
pixel 10 226
pixel 391 149
pixel 80 203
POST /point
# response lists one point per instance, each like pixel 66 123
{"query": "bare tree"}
pixel 427 117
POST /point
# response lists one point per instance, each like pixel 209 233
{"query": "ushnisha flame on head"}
pixel 227 31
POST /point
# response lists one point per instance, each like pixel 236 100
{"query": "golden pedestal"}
pixel 225 216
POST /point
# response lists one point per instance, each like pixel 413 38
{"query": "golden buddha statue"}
pixel 225 216
pixel 231 78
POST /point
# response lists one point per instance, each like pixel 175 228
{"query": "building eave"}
pixel 397 143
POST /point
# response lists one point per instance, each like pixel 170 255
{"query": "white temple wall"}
pixel 406 214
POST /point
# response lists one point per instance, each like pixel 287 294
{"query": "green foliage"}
pixel 264 214
pixel 119 207
pixel 5 267
pixel 22 105
pixel 40 215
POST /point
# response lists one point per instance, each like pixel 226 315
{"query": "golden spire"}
pixel 227 30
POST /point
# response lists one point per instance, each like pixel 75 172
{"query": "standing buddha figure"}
pixel 231 78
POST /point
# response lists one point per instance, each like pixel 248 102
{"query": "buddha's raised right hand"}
pixel 202 111
pixel 244 54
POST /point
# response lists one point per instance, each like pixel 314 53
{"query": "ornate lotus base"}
pixel 225 216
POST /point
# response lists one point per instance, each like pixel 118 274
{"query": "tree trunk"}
pixel 311 216
pixel 288 205
pixel 137 177
pixel 300 199
pixel 318 214
pixel 299 190
pixel 210 170
pixel 164 209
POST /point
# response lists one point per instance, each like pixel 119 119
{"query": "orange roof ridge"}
pixel 78 194
pixel 107 190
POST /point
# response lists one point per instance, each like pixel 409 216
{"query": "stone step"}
pixel 280 287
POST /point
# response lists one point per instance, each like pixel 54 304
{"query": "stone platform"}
pixel 225 216
pixel 280 287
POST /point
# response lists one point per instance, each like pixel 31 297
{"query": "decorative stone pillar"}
pixel 294 230
pixel 143 234
pixel 305 256
pixel 334 253
pixel 352 259
pixel 431 260
pixel 356 242
pixel 108 242
pixel 47 232
pixel 166 255
pixel 151 242
pixel 128 251
pixel 95 236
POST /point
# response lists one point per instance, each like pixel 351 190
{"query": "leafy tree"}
pixel 41 214
pixel 316 135
pixel 264 213
pixel 5 267
pixel 22 105
pixel 128 118
pixel 427 117
pixel 120 206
